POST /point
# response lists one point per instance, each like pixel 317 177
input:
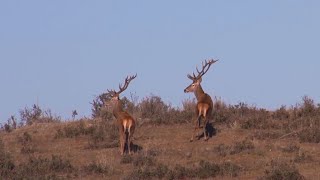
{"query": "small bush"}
pixel 26 141
pixel 35 114
pixel 207 170
pixel 6 164
pixel 282 170
pixel 243 146
pixel 303 157
pixel 229 169
pixel 291 148
pixel 204 170
pixel 74 130
pixel 310 135
pixel 99 110
pixel 222 150
pixel 127 159
pixel 25 138
pixel 188 110
pixel 10 125
pixel 180 172
pixel 96 168
pixel 104 135
pixel 263 135
pixel 281 113
pixel 42 168
pixel 143 160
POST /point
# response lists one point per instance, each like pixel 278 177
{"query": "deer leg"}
pixel 122 141
pixel 128 139
pixel 197 126
pixel 205 121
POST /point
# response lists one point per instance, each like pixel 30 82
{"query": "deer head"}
pixel 196 80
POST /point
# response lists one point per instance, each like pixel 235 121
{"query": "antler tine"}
pixel 192 77
pixel 111 92
pixel 205 67
pixel 126 83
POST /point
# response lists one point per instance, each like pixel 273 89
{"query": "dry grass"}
pixel 247 145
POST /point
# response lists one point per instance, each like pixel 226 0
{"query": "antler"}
pixel 126 83
pixel 205 67
pixel 122 88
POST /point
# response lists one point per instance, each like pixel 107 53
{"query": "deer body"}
pixel 125 121
pixel 204 102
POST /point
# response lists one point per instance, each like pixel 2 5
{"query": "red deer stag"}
pixel 204 101
pixel 125 121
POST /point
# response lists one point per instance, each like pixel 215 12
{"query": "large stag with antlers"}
pixel 125 121
pixel 204 102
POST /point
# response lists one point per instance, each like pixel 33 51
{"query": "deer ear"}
pixel 199 80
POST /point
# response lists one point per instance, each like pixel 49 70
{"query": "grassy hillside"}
pixel 247 143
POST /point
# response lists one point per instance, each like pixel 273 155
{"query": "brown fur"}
pixel 203 109
pixel 126 125
pixel 125 121
pixel 204 102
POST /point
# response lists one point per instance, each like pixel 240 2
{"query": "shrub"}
pixel 222 150
pixel 204 170
pixel 73 130
pixel 310 135
pixel 104 135
pixel 307 108
pixel 6 164
pixel 127 159
pixel 10 125
pixel 242 146
pixel 154 108
pixel 281 113
pixel 263 135
pixel 26 141
pixel 158 112
pixel 303 157
pixel 258 119
pixel 229 169
pixel 188 110
pixel 37 115
pixel 282 170
pixel 98 109
pixel 96 168
pixel 207 170
pixel 143 160
pixel 42 168
pixel 291 148
pixel 25 138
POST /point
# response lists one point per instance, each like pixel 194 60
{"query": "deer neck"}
pixel 117 109
pixel 199 93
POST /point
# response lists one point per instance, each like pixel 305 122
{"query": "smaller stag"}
pixel 204 102
pixel 125 121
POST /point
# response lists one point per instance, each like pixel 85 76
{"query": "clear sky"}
pixel 62 53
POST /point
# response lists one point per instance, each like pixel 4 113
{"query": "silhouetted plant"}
pixel 74 114
pixel 98 107
pixel 10 125
pixel 154 108
pixel 37 115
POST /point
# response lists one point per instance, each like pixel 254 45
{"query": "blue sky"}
pixel 63 53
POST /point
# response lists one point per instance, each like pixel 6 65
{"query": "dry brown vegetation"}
pixel 247 143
